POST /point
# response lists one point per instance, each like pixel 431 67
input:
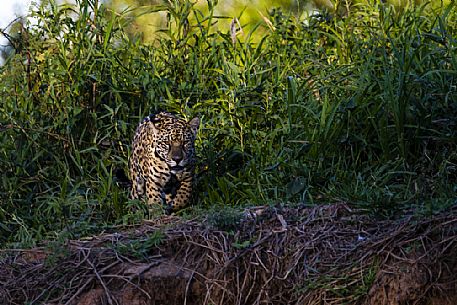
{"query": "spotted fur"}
pixel 163 160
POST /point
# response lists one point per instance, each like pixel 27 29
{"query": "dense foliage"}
pixel 359 107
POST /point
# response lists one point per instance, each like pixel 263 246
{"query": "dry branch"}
pixel 322 255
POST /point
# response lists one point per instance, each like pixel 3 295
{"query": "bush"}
pixel 359 107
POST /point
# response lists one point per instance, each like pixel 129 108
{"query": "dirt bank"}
pixel 322 255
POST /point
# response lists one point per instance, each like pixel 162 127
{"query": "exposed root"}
pixel 322 255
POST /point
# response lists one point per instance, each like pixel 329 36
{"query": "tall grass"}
pixel 360 107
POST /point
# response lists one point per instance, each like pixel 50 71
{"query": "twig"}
pixel 107 292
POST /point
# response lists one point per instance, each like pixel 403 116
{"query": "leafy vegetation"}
pixel 358 107
pixel 140 247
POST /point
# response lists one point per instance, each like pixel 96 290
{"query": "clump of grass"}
pixel 357 107
pixel 140 248
pixel 224 218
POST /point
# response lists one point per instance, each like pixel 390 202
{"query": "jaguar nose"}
pixel 177 158
pixel 176 153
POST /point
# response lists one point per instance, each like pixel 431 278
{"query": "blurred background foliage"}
pixel 355 102
pixel 249 12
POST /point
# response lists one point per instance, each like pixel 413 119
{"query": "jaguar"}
pixel 163 160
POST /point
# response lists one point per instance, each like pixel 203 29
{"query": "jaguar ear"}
pixel 154 128
pixel 151 122
pixel 194 124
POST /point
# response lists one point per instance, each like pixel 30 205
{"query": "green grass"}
pixel 360 108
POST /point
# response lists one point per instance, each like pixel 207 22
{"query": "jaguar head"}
pixel 175 140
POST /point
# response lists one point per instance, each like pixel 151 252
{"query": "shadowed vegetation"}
pixel 359 107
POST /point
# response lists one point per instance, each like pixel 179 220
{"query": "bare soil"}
pixel 322 255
